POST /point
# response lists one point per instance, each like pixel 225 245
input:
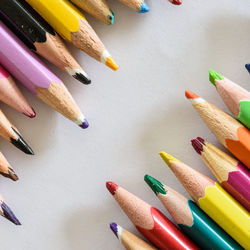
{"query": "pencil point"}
pixel 198 144
pixel 154 184
pixel 32 114
pixel 111 186
pixel 12 175
pixel 81 77
pixel 21 144
pixel 8 214
pixel 248 67
pixel 114 228
pixel 111 17
pixel 213 76
pixel 176 2
pixel 190 95
pixel 144 8
pixel 110 62
pixel 84 124
pixel 167 158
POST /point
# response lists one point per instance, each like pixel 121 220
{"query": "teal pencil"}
pixel 191 219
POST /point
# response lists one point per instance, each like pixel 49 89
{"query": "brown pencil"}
pixel 6 170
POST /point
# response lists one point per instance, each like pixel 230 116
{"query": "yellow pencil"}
pixel 71 24
pixel 213 200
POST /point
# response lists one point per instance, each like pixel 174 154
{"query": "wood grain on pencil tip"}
pixel 213 200
pixel 150 221
pixel 97 8
pixel 12 96
pixel 72 25
pixel 129 240
pixel 40 37
pixel 230 132
pixel 36 77
pixel 138 5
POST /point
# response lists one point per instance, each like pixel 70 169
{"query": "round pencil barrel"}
pixel 97 8
pixel 232 174
pixel 129 240
pixel 39 36
pixel 149 221
pixel 230 133
pixel 213 200
pixel 191 219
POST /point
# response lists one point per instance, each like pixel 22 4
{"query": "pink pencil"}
pixel 12 96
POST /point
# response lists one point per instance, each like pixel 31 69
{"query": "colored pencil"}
pixel 97 8
pixel 191 219
pixel 149 221
pixel 230 133
pixel 39 36
pixel 36 77
pixel 129 240
pixel 71 24
pixel 175 2
pixel 6 212
pixel 138 5
pixel 213 200
pixel 6 170
pixel 231 174
pixel 235 97
pixel 248 67
pixel 10 133
pixel 12 96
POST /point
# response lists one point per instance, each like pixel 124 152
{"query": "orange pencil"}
pixel 230 133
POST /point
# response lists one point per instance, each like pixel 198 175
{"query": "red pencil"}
pixel 150 221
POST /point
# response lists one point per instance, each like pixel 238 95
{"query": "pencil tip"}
pixel 8 214
pixel 176 2
pixel 190 95
pixel 111 186
pixel 81 77
pixel 12 175
pixel 248 67
pixel 31 114
pixel 144 8
pixel 154 184
pixel 213 76
pixel 110 62
pixel 21 144
pixel 198 144
pixel 84 124
pixel 167 158
pixel 114 228
pixel 111 18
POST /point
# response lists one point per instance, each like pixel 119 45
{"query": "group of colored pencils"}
pixel 30 27
pixel 218 217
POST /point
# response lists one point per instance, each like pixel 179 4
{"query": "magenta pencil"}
pixel 36 77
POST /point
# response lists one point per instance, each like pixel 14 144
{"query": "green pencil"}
pixel 191 219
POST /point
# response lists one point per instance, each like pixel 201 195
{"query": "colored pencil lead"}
pixel 198 144
pixel 21 144
pixel 144 8
pixel 114 228
pixel 248 67
pixel 11 174
pixel 155 185
pixel 176 2
pixel 8 214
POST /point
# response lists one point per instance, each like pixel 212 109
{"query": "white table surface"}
pixel 134 113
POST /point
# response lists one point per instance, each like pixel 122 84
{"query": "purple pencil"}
pixel 36 77
pixel 232 174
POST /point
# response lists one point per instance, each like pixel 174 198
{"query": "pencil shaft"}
pixel 71 24
pixel 97 8
pixel 39 36
pixel 36 77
